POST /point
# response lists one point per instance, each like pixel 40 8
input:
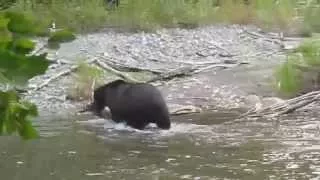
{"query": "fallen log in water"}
pixel 285 107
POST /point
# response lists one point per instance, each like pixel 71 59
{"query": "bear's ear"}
pixel 92 90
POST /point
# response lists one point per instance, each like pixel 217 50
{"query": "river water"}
pixel 200 146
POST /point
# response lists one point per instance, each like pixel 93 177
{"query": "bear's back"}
pixel 135 103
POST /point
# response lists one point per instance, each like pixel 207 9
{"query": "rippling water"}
pixel 201 146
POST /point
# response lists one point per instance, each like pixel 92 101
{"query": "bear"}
pixel 137 104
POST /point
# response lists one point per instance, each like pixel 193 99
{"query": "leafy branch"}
pixel 17 67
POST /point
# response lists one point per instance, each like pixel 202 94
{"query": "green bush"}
pixel 61 36
pixel 58 37
pixel 16 68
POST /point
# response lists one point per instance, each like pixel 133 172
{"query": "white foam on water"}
pixel 176 128
pixel 109 125
pixel 185 128
pixel 97 121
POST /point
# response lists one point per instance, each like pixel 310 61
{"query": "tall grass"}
pixel 153 14
pixel 87 78
pixel 78 15
pixel 311 15
pixel 235 12
pixel 276 15
pixel 84 15
pixel 301 71
pixel 288 78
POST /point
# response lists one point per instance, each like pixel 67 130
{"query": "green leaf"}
pixel 26 131
pixel 16 115
pixel 4 33
pixel 20 23
pixel 19 69
pixel 3 22
pixel 21 46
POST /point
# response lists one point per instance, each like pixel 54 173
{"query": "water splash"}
pixel 176 128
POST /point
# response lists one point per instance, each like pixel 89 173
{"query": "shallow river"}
pixel 202 146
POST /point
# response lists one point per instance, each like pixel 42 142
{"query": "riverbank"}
pixel 235 62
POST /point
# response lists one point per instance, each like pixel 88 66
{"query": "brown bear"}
pixel 137 104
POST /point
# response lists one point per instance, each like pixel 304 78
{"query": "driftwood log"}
pixel 285 107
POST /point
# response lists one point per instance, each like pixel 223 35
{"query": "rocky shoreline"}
pixel 236 61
